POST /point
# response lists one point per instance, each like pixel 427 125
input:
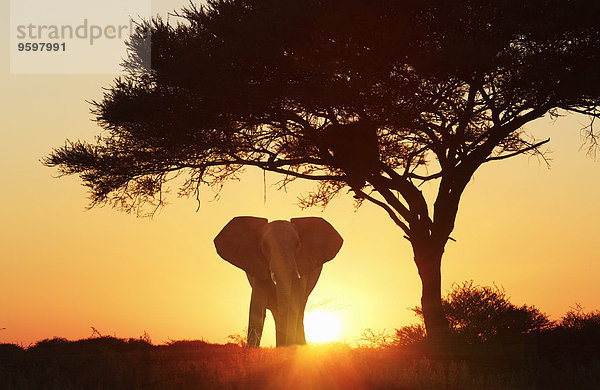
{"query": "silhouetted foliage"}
pixel 443 86
pixel 375 339
pixel 410 334
pixel 481 313
pixel 240 339
pixel 580 320
pixel 574 340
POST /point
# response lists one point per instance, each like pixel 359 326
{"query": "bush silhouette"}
pixel 577 319
pixel 478 314
pixel 574 339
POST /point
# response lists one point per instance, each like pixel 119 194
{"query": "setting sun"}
pixel 321 326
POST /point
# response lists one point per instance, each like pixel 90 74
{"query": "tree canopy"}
pixel 375 96
pixel 447 84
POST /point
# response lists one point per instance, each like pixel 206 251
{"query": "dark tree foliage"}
pixel 293 87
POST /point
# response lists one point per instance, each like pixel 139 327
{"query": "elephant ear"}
pixel 239 244
pixel 319 243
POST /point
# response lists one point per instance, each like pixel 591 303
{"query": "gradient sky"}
pixel 63 269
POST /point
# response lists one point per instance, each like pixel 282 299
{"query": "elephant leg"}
pixel 279 335
pixel 256 321
pixel 300 336
pixel 301 297
pixel 309 283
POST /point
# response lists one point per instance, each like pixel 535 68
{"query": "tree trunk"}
pixel 428 258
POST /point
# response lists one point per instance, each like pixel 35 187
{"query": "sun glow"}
pixel 321 326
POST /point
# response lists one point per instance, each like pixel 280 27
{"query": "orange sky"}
pixel 64 269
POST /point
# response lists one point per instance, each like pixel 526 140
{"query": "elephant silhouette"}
pixel 283 261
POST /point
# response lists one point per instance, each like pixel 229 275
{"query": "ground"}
pixel 110 363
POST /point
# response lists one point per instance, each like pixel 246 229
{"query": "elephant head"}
pixel 283 261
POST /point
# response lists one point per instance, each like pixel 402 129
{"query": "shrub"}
pixel 375 339
pixel 239 338
pixel 574 339
pixel 410 334
pixel 481 313
pixel 578 319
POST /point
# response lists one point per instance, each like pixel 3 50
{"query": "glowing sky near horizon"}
pixel 321 326
pixel 63 269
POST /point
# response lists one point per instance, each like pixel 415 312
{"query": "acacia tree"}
pixel 375 96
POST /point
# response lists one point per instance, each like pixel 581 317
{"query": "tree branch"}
pixel 387 208
pixel 496 134
pixel 525 150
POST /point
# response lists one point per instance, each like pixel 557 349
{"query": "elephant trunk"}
pixel 287 311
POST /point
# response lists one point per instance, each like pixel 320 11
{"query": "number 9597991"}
pixel 35 46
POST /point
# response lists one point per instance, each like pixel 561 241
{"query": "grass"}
pixel 112 363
